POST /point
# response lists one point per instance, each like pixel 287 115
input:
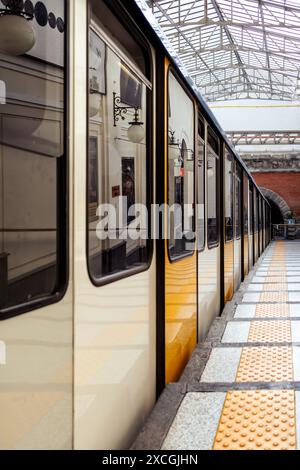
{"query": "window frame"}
pixel 211 133
pixel 62 201
pixel 190 253
pixel 137 35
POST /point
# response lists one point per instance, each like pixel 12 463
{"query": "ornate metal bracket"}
pixel 15 7
pixel 119 111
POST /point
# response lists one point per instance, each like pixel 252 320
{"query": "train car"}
pixel 94 321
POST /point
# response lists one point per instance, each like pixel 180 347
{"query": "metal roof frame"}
pixel 235 49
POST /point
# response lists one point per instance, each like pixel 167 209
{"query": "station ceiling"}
pixel 235 49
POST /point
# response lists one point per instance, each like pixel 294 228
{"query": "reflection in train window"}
pixel 238 195
pixel 212 192
pixel 32 167
pixel 181 170
pixel 201 194
pixel 228 183
pixel 117 156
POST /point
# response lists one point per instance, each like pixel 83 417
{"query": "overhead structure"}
pixel 236 49
pixel 264 137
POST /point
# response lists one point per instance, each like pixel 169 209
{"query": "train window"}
pixel 238 196
pixel 33 266
pixel 250 212
pixel 259 212
pixel 228 184
pixel 118 179
pixel 180 170
pixel 255 211
pixel 201 190
pixel 212 191
pixel 246 204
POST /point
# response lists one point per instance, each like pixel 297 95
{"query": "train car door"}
pixel 228 226
pixel 115 276
pixel 246 223
pixel 238 227
pixel 180 254
pixel 250 224
pixel 255 224
pixel 209 276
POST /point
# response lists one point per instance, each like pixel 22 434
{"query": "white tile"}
pixel 295 325
pixel 196 422
pixel 296 363
pixel 258 279
pixel 245 311
pixel 236 332
pixel 294 296
pixel 222 365
pixel 294 279
pixel 293 286
pixel 297 396
pixel 255 288
pixel 295 310
pixel 251 297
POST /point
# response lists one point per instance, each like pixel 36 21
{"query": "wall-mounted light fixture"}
pixel 16 33
pixel 174 147
pixel 135 132
pixel 177 151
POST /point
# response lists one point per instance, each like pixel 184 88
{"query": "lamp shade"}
pixel 136 133
pixel 16 35
pixel 94 104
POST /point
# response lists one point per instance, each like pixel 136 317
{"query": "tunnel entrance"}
pixel 276 215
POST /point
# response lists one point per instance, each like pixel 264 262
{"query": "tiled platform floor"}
pixel 241 389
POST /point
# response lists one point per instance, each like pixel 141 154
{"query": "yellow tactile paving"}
pixel 274 297
pixel 266 364
pixel 257 420
pixel 272 310
pixel 276 279
pixel 277 331
pixel 277 287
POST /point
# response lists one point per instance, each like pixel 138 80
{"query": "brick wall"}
pixel 287 185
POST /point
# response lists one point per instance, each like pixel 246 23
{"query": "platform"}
pixel 241 388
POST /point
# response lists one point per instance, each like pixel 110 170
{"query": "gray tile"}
pixel 196 423
pixel 236 332
pixel 222 365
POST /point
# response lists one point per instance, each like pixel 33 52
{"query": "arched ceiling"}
pixel 236 48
